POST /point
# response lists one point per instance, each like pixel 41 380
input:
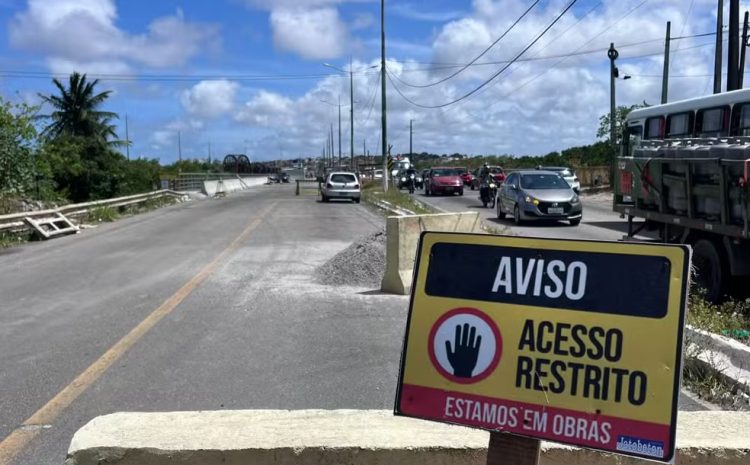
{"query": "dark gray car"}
pixel 538 195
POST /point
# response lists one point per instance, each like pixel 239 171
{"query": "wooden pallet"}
pixel 52 226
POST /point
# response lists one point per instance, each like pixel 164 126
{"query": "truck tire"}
pixel 711 272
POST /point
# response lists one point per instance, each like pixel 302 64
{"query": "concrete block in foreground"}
pixel 402 237
pixel 347 437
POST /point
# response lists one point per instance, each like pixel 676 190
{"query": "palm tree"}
pixel 76 111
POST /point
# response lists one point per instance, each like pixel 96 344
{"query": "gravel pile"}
pixel 360 264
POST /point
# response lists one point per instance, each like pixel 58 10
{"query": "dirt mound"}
pixel 360 264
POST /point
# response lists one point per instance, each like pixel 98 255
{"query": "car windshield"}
pixel 445 172
pixel 543 181
pixel 563 171
pixel 343 178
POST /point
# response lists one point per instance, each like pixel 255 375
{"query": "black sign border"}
pixel 680 338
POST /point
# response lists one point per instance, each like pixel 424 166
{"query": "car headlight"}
pixel 530 199
pixel 419 179
pixel 574 199
pixel 493 185
pixel 403 179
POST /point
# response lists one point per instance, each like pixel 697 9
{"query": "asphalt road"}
pixel 256 332
pixel 205 305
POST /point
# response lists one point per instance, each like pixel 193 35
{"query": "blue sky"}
pixel 248 75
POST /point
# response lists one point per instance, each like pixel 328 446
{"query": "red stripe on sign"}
pixel 539 421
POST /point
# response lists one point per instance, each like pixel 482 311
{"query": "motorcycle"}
pixel 411 181
pixel 488 194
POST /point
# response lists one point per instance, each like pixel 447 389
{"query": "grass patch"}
pixel 373 192
pixel 10 239
pixel 730 318
pixel 103 215
pixel 702 374
pixel 151 204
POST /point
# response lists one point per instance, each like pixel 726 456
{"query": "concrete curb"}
pixel 731 358
pixel 402 238
pixel 370 437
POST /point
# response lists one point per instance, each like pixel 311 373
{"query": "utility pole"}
pixel 351 111
pixel 719 45
pixel 333 146
pixel 382 95
pixel 612 54
pixel 733 47
pixel 665 73
pixel 127 136
pixel 339 132
pixel 411 152
pixel 209 153
pixel 743 47
pixel 179 145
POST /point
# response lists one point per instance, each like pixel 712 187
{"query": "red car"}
pixel 466 176
pixel 496 172
pixel 443 180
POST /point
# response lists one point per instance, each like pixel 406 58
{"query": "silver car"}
pixel 341 185
pixel 538 195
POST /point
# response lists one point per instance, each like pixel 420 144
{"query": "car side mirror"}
pixel 513 187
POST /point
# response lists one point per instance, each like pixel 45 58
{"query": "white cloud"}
pixel 210 99
pixel 311 33
pixel 415 12
pixel 84 33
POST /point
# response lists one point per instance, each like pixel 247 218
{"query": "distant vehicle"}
pixel 443 180
pixel 404 178
pixel 531 195
pixel 341 185
pixel 284 177
pixel 378 174
pixel 496 171
pixel 568 174
pixel 273 178
pixel 466 176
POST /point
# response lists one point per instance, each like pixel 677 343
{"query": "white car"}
pixel 341 185
pixel 568 174
pixel 378 174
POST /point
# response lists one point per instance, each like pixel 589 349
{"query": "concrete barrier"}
pixel 402 237
pixel 210 188
pixel 367 437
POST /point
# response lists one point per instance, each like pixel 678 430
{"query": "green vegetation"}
pixel 103 214
pixel 701 373
pixel 374 192
pixel 730 318
pixel 71 157
pixel 9 239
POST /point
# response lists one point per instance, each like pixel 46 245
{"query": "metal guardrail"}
pixel 16 221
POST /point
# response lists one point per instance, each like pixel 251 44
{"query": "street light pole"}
pixel 383 125
pixel 351 112
pixel 411 152
pixel 339 132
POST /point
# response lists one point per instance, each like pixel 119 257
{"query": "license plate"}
pixel 555 211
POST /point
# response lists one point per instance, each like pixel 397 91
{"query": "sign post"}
pixel 577 342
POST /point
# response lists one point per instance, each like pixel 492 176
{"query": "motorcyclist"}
pixel 485 176
pixel 411 178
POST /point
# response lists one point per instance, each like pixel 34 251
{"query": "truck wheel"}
pixel 711 273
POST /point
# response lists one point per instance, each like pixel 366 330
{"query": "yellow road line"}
pixel 12 445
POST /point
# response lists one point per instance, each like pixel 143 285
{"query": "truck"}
pixel 683 171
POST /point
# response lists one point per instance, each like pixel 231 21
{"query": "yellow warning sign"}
pixel 578 342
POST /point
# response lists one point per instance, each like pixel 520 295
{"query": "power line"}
pixel 464 67
pixel 169 77
pixel 682 29
pixel 554 65
pixel 536 39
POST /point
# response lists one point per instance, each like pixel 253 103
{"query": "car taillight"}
pixel 356 186
pixel 329 185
